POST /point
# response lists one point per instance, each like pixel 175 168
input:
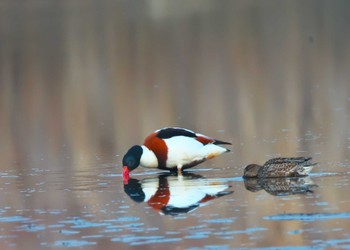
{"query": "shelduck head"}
pixel 131 160
pixel 251 171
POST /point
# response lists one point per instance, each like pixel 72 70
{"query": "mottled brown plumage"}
pixel 281 186
pixel 280 167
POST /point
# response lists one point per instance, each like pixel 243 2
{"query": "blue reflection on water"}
pixel 308 216
pixel 143 240
pixel 71 243
pixel 81 223
pixel 31 228
pixel 14 219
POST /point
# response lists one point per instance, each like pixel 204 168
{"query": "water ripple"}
pixel 308 216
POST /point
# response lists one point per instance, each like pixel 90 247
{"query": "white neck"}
pixel 148 158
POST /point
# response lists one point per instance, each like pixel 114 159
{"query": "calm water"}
pixel 80 82
pixel 43 209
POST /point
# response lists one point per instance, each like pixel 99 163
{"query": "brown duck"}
pixel 280 167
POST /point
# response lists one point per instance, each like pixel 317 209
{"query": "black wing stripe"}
pixel 218 142
pixel 167 133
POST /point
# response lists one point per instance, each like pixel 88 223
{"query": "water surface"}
pixel 82 81
pixel 202 209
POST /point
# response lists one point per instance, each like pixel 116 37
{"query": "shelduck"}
pixel 172 149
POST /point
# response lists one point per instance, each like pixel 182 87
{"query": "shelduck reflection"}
pixel 281 186
pixel 171 194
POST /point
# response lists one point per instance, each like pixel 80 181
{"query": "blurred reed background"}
pixel 84 80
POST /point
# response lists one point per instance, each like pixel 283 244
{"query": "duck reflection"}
pixel 172 194
pixel 281 186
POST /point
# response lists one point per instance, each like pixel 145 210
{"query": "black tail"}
pixel 218 142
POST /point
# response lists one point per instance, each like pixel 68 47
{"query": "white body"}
pixel 182 150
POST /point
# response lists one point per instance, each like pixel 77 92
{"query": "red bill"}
pixel 126 175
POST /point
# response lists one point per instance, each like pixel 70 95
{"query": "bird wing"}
pixel 277 169
pixel 282 160
pixel 167 133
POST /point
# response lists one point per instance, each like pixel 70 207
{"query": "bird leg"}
pixel 179 170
